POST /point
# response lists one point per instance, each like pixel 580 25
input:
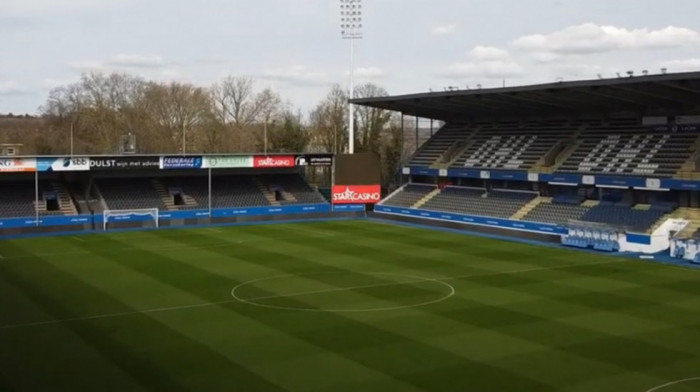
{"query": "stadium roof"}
pixel 668 94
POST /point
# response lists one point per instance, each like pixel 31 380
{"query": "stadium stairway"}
pixel 451 156
pixel 426 198
pixel 692 215
pixel 265 190
pixel 65 201
pixel 529 207
pixel 164 194
pixel 563 156
pixel 687 170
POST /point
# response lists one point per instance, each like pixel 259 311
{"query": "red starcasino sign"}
pixel 274 161
pixel 356 194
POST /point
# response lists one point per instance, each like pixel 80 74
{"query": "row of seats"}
pixel 468 201
pixel 409 195
pixel 130 194
pixel 621 148
pixel 17 197
pixel 634 219
pixel 559 214
pixel 504 204
pixel 508 150
pixel 437 145
pixel 633 153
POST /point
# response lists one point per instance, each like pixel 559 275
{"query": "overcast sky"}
pixel 294 46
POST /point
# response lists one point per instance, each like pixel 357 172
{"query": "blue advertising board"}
pixel 349 207
pixel 174 162
pixel 98 219
pixel 474 220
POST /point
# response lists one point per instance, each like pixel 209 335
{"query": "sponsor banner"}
pixel 180 162
pixel 356 194
pixel 273 161
pixel 13 223
pixel 124 163
pixel 282 210
pixel 349 207
pixel 227 162
pixel 18 165
pixel 475 220
pixel 314 160
pixel 63 164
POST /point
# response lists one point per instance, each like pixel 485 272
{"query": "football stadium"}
pixel 547 254
pixel 538 237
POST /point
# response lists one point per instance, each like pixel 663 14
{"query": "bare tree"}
pixel 371 122
pixel 329 122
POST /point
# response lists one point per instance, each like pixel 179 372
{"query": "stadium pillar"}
pixel 209 194
pixel 431 127
pixel 417 146
pixel 351 114
pixel 36 196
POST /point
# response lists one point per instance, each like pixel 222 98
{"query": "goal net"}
pixel 138 215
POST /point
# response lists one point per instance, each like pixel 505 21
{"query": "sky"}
pixel 294 46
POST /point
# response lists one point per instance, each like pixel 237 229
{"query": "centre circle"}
pixel 342 292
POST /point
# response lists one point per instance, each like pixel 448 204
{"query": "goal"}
pixel 137 215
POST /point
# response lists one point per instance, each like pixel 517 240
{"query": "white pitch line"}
pixel 668 384
pixel 419 280
pixel 78 239
pixel 207 304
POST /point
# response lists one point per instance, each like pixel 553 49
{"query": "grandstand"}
pixel 622 153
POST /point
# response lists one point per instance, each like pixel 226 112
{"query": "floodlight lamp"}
pixel 664 70
pixel 630 73
pixel 600 76
pixel 645 72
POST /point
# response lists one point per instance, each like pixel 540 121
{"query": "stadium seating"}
pixel 475 201
pixel 445 138
pixel 508 149
pixel 409 195
pixel 629 152
pixel 129 193
pixel 293 188
pixel 624 216
pixel 555 213
pixel 17 199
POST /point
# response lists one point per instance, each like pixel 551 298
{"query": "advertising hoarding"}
pixel 356 194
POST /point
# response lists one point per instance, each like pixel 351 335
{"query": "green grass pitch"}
pixel 339 306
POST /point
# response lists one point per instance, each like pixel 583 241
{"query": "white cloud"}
pixel 295 74
pixel 446 29
pixel 489 53
pixel 34 7
pixel 122 61
pixel 135 61
pixel 369 72
pixel 592 38
pixel 484 69
pixel 682 65
pixel 11 88
pixel 486 62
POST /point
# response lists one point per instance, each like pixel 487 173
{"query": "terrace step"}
pixel 426 198
pixel 269 195
pixel 164 195
pixel 529 207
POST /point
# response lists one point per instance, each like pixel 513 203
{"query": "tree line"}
pixel 230 116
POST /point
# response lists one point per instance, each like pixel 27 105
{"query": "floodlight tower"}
pixel 351 29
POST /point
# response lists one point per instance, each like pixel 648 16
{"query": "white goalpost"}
pixel 112 216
